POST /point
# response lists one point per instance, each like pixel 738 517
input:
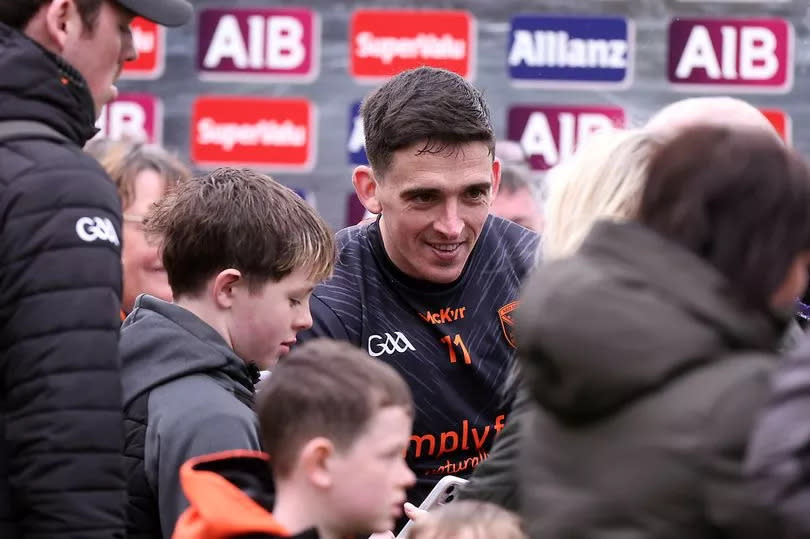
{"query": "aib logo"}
pixel 388 344
pixel 263 43
pixel 135 117
pixel 731 54
pixel 548 135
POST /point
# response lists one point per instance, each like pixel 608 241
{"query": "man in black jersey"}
pixel 431 286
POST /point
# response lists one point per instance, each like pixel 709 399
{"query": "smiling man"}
pixel 431 285
pixel 61 435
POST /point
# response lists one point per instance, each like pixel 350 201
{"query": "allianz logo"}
pixel 388 344
pixel 549 48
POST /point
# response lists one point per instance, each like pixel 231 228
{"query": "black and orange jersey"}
pixel 452 343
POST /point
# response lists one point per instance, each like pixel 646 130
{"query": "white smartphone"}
pixel 443 493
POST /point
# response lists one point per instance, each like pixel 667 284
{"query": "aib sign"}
pixel 754 55
pixel 258 43
pixel 133 117
pixel 549 135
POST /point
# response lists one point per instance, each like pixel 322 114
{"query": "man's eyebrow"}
pixel 413 191
pixel 483 186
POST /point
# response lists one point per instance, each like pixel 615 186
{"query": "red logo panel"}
pixel 265 133
pixel 386 42
pixel 150 42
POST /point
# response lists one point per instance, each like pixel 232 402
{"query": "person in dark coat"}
pixel 61 469
pixel 648 352
pixel 778 457
pixel 602 180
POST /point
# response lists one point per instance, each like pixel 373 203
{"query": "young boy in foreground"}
pixel 242 254
pixel 336 425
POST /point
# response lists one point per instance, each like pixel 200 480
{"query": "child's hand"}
pixel 414 513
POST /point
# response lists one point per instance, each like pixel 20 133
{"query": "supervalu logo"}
pixel 383 42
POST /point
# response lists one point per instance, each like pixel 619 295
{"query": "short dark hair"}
pixel 737 198
pixel 17 13
pixel 237 218
pixel 425 104
pixel 324 388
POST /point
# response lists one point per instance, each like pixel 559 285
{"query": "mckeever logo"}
pixel 388 344
pixel 91 229
pixel 566 51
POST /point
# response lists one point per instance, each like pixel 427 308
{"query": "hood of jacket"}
pixel 626 314
pixel 230 494
pixel 161 341
pixel 41 86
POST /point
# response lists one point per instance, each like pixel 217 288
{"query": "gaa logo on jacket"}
pixel 383 43
pixel 263 43
pixel 570 51
pixel 549 135
pixel 731 54
pixel 150 42
pixel 266 133
pixel 134 117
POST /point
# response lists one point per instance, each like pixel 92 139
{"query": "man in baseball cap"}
pixel 61 419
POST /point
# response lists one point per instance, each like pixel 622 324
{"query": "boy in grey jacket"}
pixel 242 254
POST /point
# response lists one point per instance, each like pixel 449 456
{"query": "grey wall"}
pixel 334 89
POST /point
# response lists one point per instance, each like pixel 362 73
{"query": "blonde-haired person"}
pixel 142 173
pixel 468 520
pixel 602 180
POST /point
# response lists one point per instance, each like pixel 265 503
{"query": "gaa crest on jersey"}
pixel 506 314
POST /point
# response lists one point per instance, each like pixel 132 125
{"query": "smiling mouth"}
pixel 446 247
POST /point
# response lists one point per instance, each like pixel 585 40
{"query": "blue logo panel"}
pixel 356 143
pixel 563 51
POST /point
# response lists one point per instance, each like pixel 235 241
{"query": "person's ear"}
pixel 224 285
pixel 314 461
pixel 496 177
pixel 61 20
pixel 365 185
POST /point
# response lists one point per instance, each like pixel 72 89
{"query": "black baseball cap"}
pixel 165 12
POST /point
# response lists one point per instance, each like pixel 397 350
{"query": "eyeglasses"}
pixel 136 220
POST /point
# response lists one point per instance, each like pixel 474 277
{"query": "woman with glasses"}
pixel 142 173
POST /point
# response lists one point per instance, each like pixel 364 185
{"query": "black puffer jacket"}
pixel 61 472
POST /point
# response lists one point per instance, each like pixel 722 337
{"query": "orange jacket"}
pixel 218 508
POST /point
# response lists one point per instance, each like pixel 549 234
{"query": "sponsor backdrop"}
pixel 277 86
